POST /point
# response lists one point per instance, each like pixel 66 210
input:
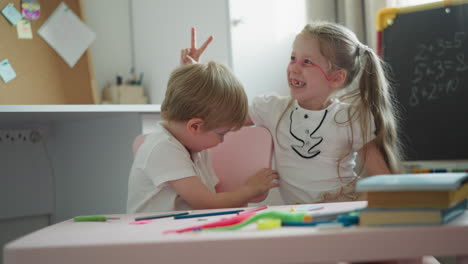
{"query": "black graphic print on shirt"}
pixel 306 147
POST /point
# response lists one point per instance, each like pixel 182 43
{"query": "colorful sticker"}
pixel 31 9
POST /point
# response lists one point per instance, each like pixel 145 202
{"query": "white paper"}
pixel 67 34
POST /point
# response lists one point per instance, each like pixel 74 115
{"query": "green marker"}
pixel 283 216
pixel 92 218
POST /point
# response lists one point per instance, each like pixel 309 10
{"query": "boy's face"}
pixel 210 138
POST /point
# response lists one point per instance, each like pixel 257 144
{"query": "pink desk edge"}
pixel 116 241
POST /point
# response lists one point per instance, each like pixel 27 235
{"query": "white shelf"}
pixel 143 108
pixel 17 114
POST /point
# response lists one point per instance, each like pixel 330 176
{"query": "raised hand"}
pixel 193 54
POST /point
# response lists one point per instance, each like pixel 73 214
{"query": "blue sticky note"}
pixel 6 71
pixel 11 14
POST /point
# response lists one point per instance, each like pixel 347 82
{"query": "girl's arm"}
pixel 193 54
pixel 197 195
pixel 374 162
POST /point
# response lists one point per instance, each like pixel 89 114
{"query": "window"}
pixel 403 3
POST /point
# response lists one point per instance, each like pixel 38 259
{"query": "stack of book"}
pixel 413 199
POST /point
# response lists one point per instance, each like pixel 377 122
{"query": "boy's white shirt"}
pixel 303 179
pixel 162 158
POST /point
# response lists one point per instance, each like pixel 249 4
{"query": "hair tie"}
pixel 362 48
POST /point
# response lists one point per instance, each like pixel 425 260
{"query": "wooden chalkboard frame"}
pixel 426 47
pixel 43 77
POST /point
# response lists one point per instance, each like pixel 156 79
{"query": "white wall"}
pixel 92 160
pixel 161 28
pixel 26 184
pixel 111 51
pixel 262 42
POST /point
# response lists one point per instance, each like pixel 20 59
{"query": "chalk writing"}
pixel 437 69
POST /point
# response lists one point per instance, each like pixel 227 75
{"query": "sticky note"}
pixel 67 34
pixel 6 71
pixel 24 29
pixel 11 14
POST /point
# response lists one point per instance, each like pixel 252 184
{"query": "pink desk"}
pixel 116 241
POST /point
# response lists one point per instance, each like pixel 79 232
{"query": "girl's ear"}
pixel 194 126
pixel 338 78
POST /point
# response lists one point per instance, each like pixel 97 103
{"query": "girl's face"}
pixel 309 74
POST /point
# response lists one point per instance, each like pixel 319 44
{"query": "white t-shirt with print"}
pixel 162 158
pixel 308 145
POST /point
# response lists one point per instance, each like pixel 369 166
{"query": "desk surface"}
pixel 116 241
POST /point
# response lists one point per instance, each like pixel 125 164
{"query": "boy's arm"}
pixel 197 195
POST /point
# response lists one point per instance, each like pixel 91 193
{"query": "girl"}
pixel 326 122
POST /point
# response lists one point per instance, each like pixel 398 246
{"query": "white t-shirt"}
pixel 308 146
pixel 162 158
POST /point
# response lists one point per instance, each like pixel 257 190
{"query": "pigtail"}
pixel 378 99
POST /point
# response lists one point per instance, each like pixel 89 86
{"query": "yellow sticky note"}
pixel 24 29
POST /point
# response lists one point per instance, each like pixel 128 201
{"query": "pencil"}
pixel 256 209
pixel 162 215
pixel 207 214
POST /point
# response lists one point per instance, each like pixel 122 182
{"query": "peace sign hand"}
pixel 192 54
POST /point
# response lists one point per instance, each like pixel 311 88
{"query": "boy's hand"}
pixel 263 181
pixel 192 54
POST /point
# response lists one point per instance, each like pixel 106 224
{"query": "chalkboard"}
pixel 427 51
pixel 42 76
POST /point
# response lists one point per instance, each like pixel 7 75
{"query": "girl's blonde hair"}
pixel 209 91
pixel 372 95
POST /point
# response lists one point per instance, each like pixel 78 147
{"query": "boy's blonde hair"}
pixel 209 91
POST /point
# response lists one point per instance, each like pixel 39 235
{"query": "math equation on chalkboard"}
pixel 438 66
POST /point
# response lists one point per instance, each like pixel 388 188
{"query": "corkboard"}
pixel 42 76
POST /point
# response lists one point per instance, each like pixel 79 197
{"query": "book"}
pixel 413 182
pixel 408 216
pixel 417 199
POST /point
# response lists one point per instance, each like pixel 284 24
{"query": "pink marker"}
pixel 256 209
pixel 223 222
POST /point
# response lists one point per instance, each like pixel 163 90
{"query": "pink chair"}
pixel 240 156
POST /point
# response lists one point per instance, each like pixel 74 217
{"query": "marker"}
pixel 256 209
pixel 207 214
pixel 92 218
pixel 119 80
pixel 162 215
pixel 345 220
pixel 140 80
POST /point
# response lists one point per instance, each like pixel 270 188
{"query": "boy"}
pixel 172 170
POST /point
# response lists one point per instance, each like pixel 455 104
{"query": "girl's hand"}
pixel 263 181
pixel 192 54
